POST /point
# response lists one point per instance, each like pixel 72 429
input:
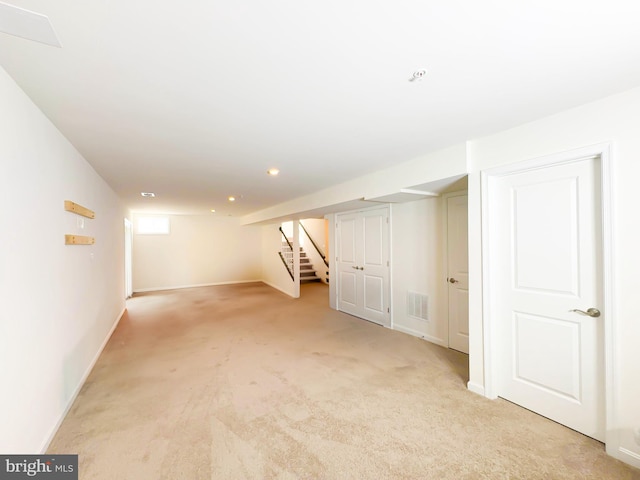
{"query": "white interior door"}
pixel 374 266
pixel 548 254
pixel 348 240
pixel 458 272
pixel 363 264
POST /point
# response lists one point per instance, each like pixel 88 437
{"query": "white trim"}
pixel 626 456
pixel 611 341
pixel 611 331
pixel 76 392
pixel 416 333
pixel 365 209
pixel 490 354
pixel 177 287
pixel 476 388
pixel 390 260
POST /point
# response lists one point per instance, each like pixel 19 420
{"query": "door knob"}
pixel 591 312
pixel 452 280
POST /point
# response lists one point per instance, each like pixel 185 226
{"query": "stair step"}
pixel 309 280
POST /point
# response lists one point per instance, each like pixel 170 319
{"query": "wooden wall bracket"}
pixel 78 240
pixel 70 206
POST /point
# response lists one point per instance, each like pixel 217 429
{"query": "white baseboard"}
pixel 627 456
pixel 418 334
pixel 177 287
pixel 476 388
pixel 87 372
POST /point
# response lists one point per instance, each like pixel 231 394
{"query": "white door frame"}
pixel 490 328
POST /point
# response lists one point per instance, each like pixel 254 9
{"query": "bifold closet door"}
pixel 363 264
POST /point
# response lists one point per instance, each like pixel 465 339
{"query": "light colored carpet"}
pixel 242 382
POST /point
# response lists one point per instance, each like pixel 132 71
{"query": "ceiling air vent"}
pixel 26 24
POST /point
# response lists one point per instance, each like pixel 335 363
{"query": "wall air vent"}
pixel 418 306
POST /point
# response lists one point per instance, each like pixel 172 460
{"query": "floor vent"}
pixel 418 305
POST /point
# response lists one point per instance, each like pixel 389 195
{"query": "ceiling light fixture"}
pixel 213 210
pixel 147 194
pixel 418 75
pixel 232 199
pixel 273 172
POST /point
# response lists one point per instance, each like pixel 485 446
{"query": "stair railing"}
pixel 288 253
pixel 324 257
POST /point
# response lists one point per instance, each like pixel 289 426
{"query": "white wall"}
pixel 200 250
pixel 274 273
pixel 617 120
pixel 59 303
pixel 417 256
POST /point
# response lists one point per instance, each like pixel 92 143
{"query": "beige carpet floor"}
pixel 242 382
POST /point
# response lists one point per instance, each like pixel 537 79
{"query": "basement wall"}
pixel 614 120
pixel 418 265
pixel 199 250
pixel 59 303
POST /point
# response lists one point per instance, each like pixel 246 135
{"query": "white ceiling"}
pixel 196 100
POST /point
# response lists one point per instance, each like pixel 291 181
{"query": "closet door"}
pixel 363 264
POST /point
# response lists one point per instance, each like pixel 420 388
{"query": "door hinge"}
pixel 388 310
pixel 387 263
pixel 387 219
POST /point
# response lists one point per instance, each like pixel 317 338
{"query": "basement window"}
pixel 153 226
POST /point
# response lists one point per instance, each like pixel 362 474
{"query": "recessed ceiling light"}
pixel 147 194
pixel 232 199
pixel 213 210
pixel 273 172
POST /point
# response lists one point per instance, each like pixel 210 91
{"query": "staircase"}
pixel 307 273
